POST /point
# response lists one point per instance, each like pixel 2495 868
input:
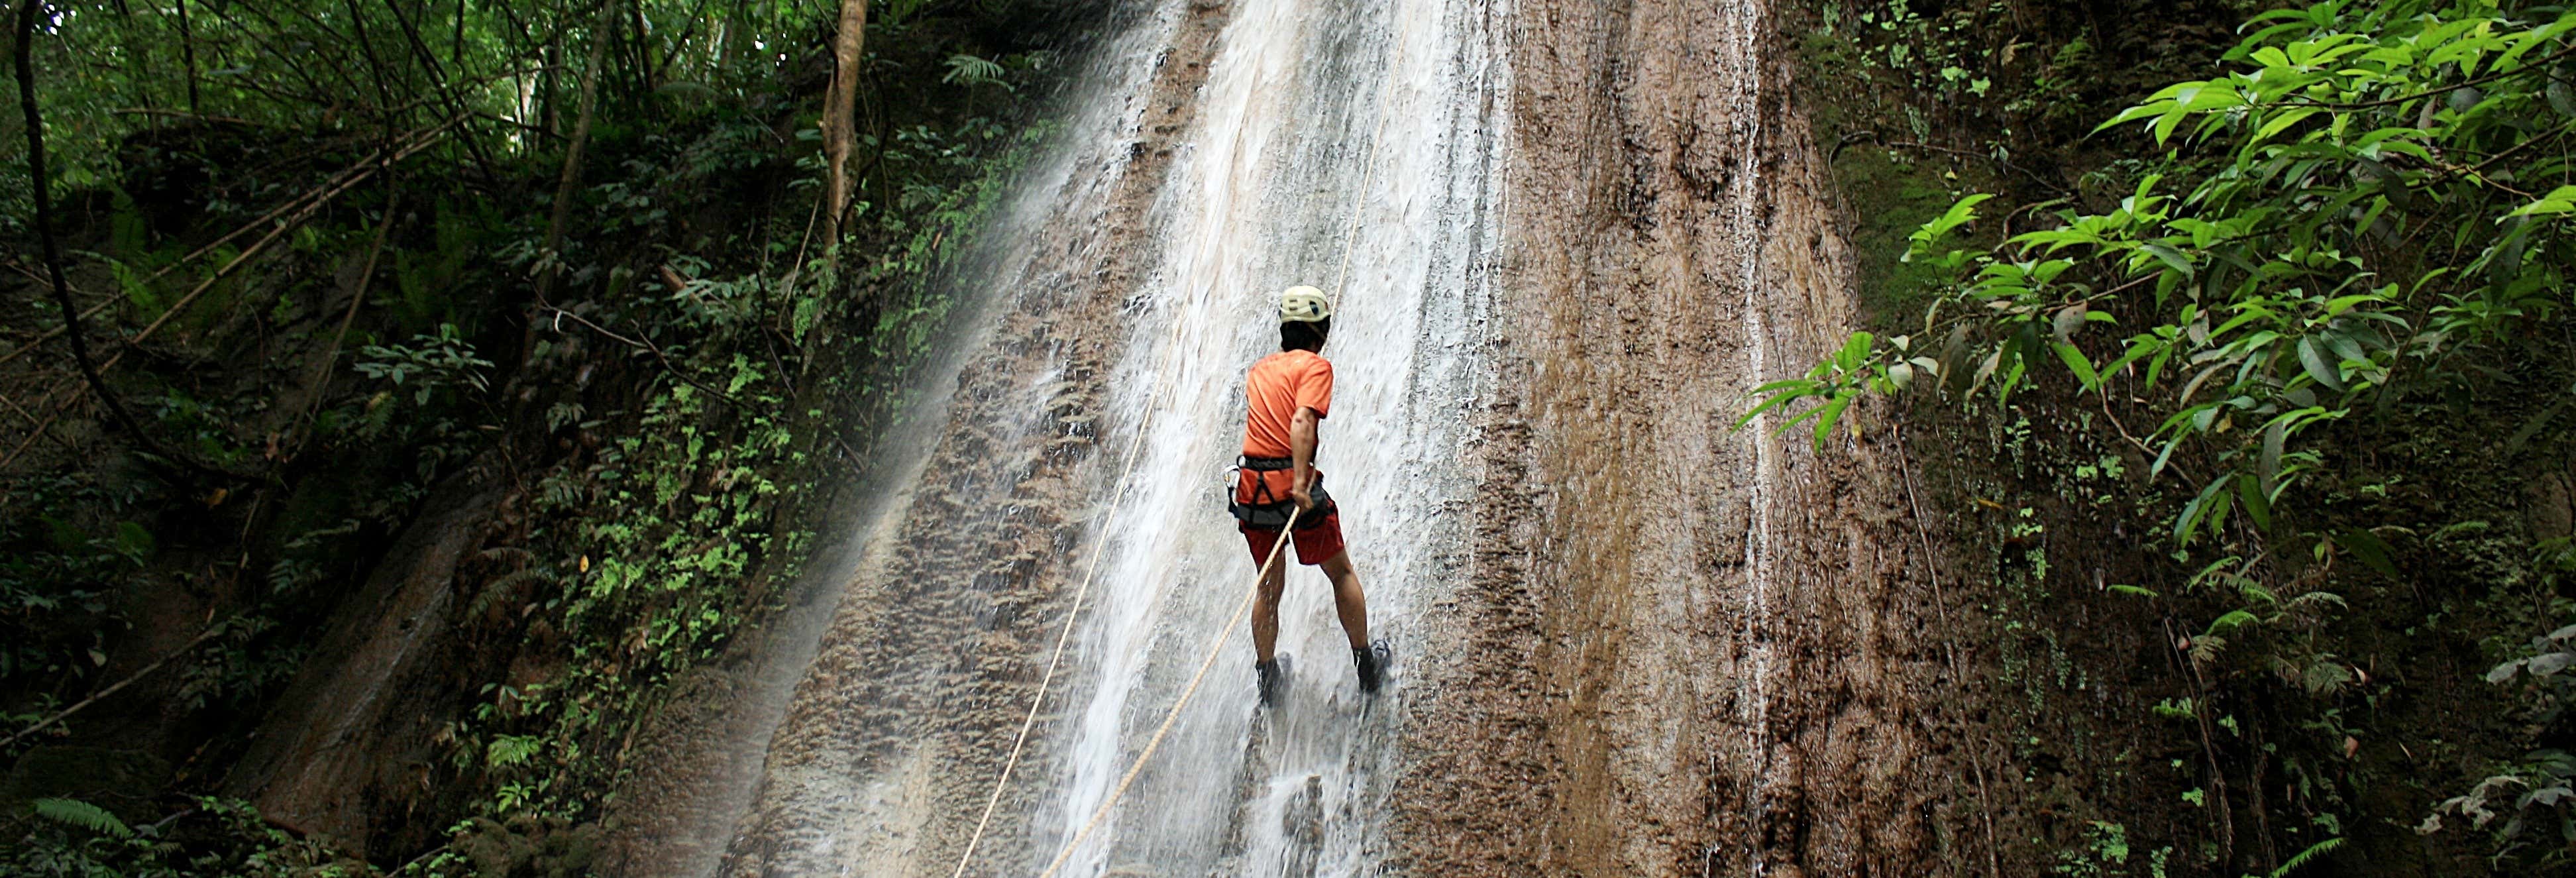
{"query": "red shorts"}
pixel 1315 545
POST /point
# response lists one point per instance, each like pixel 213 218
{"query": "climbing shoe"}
pixel 1372 662
pixel 1273 676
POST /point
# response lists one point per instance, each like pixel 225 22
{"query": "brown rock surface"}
pixel 1692 648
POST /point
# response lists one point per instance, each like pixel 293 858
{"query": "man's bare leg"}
pixel 1265 609
pixel 1347 601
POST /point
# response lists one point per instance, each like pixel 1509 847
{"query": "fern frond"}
pixel 972 70
pixel 74 812
pixel 2301 858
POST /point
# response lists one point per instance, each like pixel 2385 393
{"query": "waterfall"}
pixel 1325 138
pixel 1224 152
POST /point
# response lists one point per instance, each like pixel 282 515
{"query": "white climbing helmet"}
pixel 1304 304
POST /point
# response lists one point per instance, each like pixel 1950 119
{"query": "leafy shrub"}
pixel 2356 228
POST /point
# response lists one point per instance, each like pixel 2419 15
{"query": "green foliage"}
pixel 2277 294
pixel 2324 257
pixel 2304 857
pixel 656 440
pixel 2354 231
pixel 2105 852
pixel 429 363
pixel 971 70
pixel 211 838
pixel 64 549
pixel 653 551
pixel 82 815
pixel 2526 802
pixel 1929 51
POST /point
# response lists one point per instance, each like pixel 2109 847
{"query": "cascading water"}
pixel 1228 153
pixel 1332 146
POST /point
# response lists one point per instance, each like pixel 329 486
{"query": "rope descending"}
pixel 1019 742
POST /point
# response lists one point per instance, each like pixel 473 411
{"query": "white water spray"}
pixel 1266 198
pixel 1745 124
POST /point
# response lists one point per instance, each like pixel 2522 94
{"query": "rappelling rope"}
pixel 1117 501
pixel 1368 172
pixel 1138 766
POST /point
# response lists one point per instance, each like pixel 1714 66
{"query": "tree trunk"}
pixel 738 33
pixel 549 106
pixel 188 56
pixel 38 179
pixel 603 31
pixel 837 133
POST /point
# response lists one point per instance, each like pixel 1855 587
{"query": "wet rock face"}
pixel 1689 646
pixel 894 735
pixel 348 752
pixel 1641 643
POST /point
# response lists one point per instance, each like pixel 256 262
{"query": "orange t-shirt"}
pixel 1275 389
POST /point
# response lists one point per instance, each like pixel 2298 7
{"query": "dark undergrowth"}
pixel 592 482
pixel 2375 692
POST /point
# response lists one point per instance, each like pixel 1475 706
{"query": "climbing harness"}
pixel 1118 500
pixel 1268 511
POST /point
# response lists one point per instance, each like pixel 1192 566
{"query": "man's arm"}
pixel 1301 451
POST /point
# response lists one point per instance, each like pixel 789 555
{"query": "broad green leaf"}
pixel 1776 394
pixel 2165 124
pixel 2076 363
pixel 2206 511
pixel 2141 111
pixel 2257 507
pixel 2317 367
pixel 1931 232
pixel 2344 346
pixel 2366 546
pixel 2170 257
pixel 1854 351
pixel 2282 122
pixel 2268 466
pixel 1833 411
pixel 2340 304
pixel 2558 201
pixel 133 541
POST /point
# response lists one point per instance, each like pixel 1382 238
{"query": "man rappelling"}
pixel 1289 393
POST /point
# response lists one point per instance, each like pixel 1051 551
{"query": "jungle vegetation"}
pixel 285 277
pixel 2273 370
